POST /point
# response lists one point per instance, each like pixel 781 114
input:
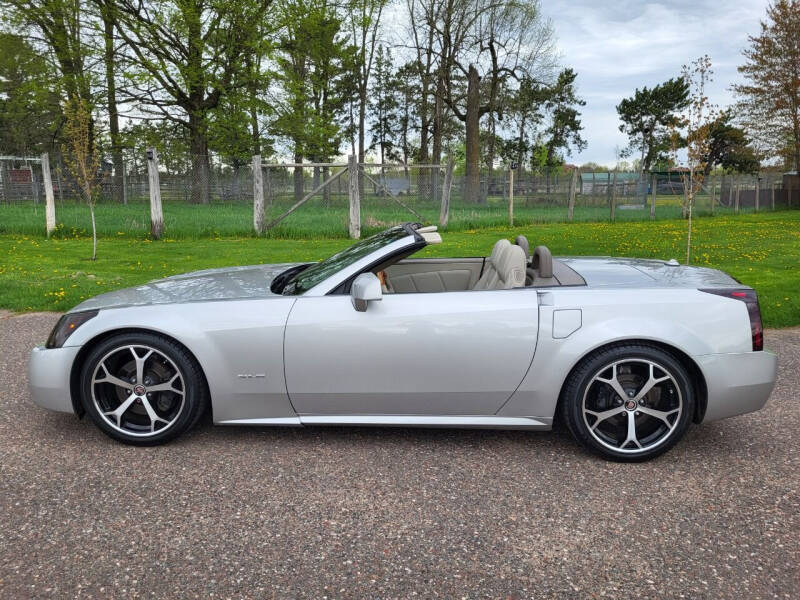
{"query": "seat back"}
pixel 505 268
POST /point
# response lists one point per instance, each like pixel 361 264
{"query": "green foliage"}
pixel 729 147
pixel 649 116
pixel 30 114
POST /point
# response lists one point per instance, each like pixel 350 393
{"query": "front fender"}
pixel 238 343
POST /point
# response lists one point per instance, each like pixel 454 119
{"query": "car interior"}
pixel 508 266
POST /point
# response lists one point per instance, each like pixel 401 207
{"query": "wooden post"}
pixel 772 198
pixel 573 183
pixel 124 185
pixel 156 215
pixel 614 198
pixel 758 193
pixel 355 200
pixel 511 197
pixel 49 198
pixel 713 197
pixel 653 203
pixel 258 195
pixel 730 192
pixel 444 213
pixel 736 200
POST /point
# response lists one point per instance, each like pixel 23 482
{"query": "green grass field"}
pixel 760 250
pixel 313 220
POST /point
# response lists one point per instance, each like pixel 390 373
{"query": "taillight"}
pixel 750 298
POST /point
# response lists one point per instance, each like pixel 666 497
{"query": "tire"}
pixel 637 426
pixel 142 389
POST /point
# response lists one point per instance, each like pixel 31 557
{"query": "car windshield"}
pixel 319 272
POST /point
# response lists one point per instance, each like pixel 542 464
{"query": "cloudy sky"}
pixel 618 46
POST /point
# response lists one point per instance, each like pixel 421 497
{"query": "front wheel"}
pixel 629 402
pixel 142 389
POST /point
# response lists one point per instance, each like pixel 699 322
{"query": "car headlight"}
pixel 66 325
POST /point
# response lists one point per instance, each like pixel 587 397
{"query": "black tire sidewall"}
pixel 194 396
pixel 572 400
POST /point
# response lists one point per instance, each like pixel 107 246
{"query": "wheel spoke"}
pixel 614 382
pixel 151 413
pixel 109 378
pixel 602 416
pixel 140 360
pixel 652 381
pixel 166 386
pixel 660 414
pixel 120 410
pixel 631 437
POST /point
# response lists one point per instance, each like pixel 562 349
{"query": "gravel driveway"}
pixel 393 513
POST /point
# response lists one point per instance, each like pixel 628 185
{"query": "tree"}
pixel 81 155
pixel 312 70
pixel 188 54
pixel 384 105
pixel 108 19
pixel 770 100
pixel 649 117
pixel 565 126
pixel 30 114
pixel 365 21
pixel 699 116
pixel 729 147
pixel 494 46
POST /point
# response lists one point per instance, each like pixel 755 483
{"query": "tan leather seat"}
pixel 505 268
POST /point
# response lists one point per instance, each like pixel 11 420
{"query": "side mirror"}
pixel 365 287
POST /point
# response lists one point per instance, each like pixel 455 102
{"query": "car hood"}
pixel 231 283
pixel 637 272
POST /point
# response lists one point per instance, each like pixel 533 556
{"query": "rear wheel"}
pixel 629 402
pixel 142 389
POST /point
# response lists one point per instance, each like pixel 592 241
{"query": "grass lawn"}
pixel 760 250
pixel 314 221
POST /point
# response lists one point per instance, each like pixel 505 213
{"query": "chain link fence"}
pixel 221 199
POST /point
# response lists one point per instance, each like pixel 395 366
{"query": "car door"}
pixel 450 353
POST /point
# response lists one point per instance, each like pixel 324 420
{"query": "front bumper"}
pixel 49 371
pixel 737 383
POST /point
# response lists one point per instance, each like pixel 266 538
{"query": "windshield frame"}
pixel 408 238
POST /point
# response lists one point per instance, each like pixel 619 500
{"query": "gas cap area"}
pixel 566 322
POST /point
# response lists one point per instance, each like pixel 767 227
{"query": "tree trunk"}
pixel 113 114
pixel 198 147
pixel 298 176
pixel 436 153
pixel 472 180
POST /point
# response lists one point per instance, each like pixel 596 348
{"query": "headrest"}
pixel 522 242
pixel 512 266
pixel 497 250
pixel 543 261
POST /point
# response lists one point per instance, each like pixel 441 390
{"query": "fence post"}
pixel 713 197
pixel 572 185
pixel 511 197
pixel 124 184
pixel 614 198
pixel 444 213
pixel 736 200
pixel 156 215
pixel 258 195
pixel 49 198
pixel 772 198
pixel 355 200
pixel 654 193
pixel 758 192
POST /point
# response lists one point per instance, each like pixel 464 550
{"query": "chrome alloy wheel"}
pixel 632 405
pixel 138 390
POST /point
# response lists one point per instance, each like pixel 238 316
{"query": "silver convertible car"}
pixel 626 353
